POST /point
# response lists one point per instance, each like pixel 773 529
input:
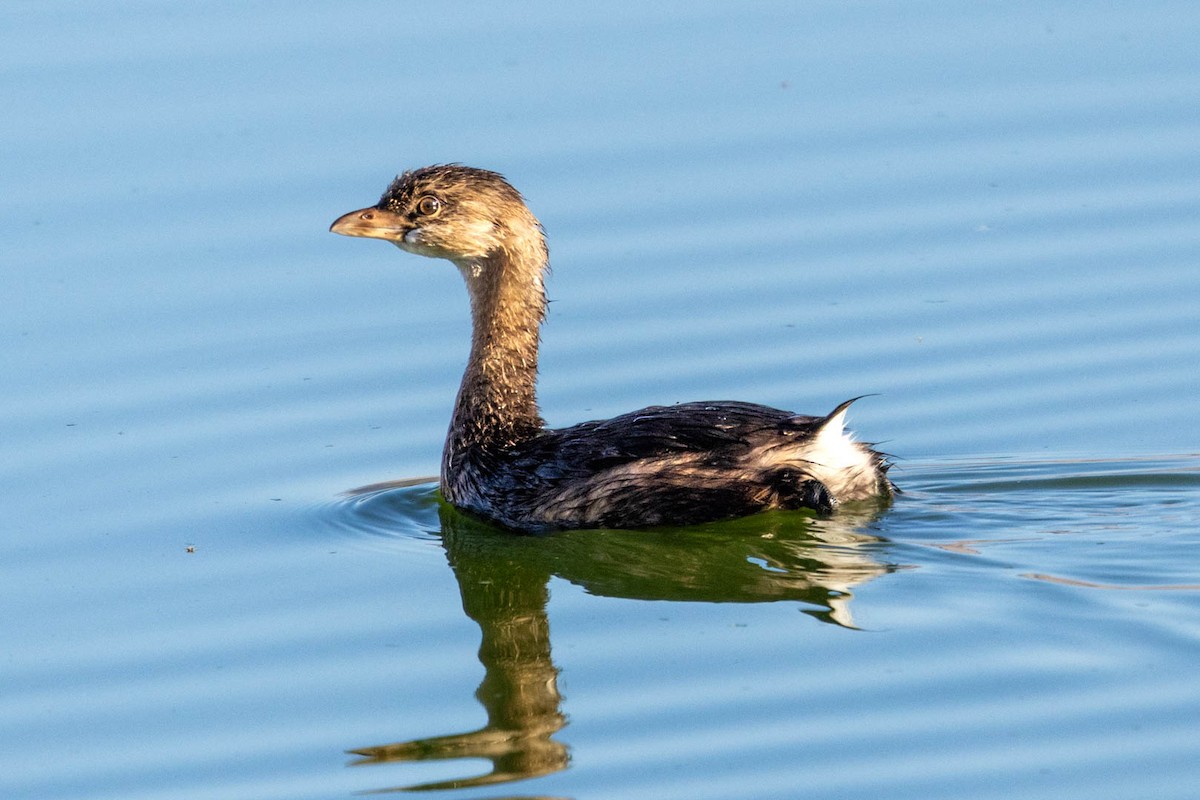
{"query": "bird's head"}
pixel 449 211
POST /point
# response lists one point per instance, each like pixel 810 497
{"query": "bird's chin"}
pixel 413 242
pixel 425 250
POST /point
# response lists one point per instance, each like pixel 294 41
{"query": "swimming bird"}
pixel 662 465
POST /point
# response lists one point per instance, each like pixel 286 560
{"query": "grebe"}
pixel 662 465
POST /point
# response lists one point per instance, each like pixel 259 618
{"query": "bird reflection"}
pixel 503 578
pixel 507 598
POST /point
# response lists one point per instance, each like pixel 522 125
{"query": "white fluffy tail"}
pixel 850 470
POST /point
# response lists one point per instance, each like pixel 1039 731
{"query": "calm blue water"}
pixel 986 215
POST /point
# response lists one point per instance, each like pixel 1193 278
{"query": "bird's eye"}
pixel 428 205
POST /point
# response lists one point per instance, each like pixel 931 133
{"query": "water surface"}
pixel 984 215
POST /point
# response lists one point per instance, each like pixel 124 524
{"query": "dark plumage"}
pixel 663 465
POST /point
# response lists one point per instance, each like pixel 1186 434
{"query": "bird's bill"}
pixel 372 223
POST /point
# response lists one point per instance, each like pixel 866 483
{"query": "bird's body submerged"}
pixel 663 465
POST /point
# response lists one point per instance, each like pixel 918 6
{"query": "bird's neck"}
pixel 497 401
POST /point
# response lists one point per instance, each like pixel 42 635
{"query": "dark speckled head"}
pixel 448 180
pixel 450 211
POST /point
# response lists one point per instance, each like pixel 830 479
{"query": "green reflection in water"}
pixel 503 579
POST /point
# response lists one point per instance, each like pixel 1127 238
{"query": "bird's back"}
pixel 680 464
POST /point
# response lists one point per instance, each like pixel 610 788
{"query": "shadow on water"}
pixel 503 579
